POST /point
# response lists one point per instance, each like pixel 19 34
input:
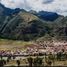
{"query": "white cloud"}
pixel 59 6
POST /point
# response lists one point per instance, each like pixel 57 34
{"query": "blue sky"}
pixel 59 6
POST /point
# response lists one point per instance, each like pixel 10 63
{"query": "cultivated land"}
pixel 12 45
pixel 6 44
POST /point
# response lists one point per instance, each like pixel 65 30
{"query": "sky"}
pixel 58 6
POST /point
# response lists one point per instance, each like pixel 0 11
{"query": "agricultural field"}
pixel 6 44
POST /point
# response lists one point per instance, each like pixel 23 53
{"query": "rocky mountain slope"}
pixel 22 25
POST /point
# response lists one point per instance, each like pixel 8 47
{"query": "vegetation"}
pixel 38 61
pixel 6 44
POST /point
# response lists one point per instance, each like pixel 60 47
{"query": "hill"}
pixel 22 25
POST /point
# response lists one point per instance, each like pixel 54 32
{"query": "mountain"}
pixel 19 24
pixel 6 14
pixel 23 26
pixel 48 16
pixel 7 11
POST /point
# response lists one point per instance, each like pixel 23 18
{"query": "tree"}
pixel 18 62
pixel 2 62
pixel 30 61
pixel 59 55
pixel 51 57
pixel 38 62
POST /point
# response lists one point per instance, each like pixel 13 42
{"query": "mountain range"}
pixel 20 24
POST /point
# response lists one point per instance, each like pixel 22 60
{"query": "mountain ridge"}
pixel 30 25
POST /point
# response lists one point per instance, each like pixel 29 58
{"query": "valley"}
pixel 30 37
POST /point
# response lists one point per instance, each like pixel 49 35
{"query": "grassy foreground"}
pixel 6 44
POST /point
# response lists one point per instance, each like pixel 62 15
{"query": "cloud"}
pixel 59 6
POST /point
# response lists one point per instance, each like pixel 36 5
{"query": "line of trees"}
pixel 39 61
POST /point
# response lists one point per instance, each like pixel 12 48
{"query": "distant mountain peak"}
pixel 45 15
pixel 1 5
pixel 33 12
pixel 48 16
pixel 1 8
pixel 7 11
